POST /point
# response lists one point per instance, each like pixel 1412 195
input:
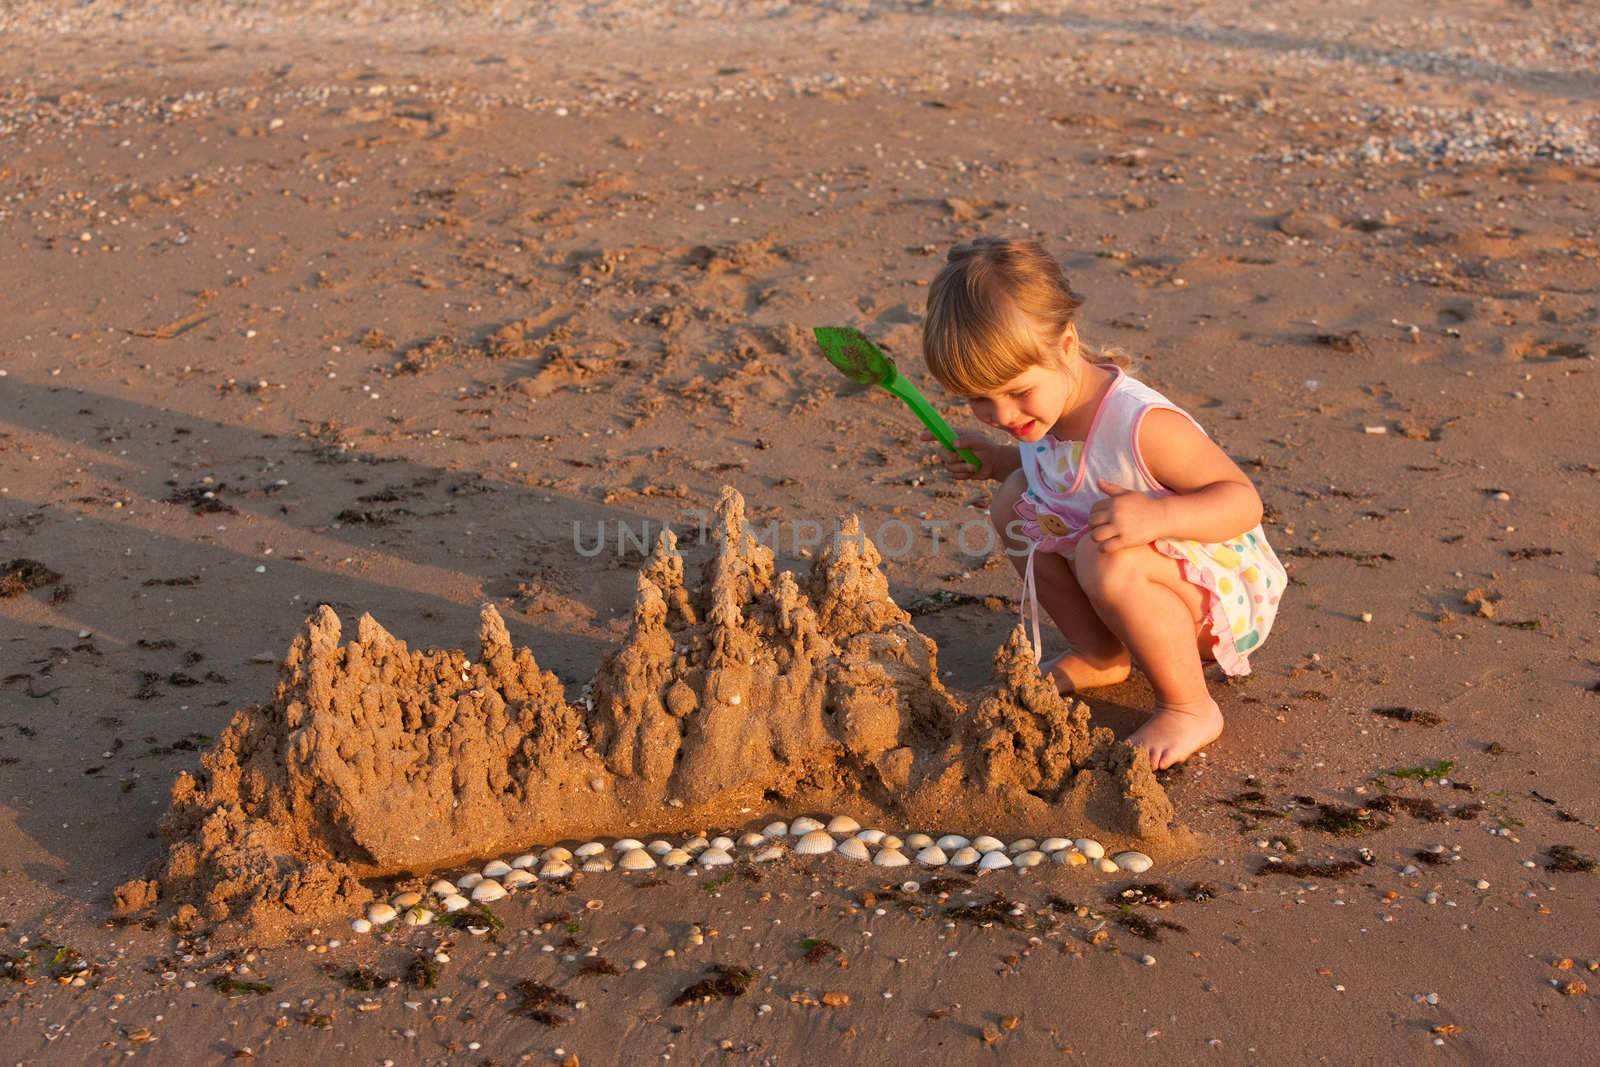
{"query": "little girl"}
pixel 1140 537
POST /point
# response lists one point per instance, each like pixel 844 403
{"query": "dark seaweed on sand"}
pixel 995 910
pixel 724 982
pixel 423 973
pixel 233 987
pixel 1345 822
pixel 1143 926
pixel 1151 894
pixel 472 915
pixel 597 965
pixel 818 949
pixel 363 979
pixel 1312 868
pixel 1200 892
pixel 1411 715
pixel 1416 807
pixel 19 576
pixel 1568 860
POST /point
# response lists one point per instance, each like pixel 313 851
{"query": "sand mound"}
pixel 750 690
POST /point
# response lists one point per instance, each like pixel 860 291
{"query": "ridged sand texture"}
pixel 749 690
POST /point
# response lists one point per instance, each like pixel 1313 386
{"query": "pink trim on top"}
pixel 1105 401
pixel 1138 453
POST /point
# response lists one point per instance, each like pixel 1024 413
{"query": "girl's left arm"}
pixel 1212 500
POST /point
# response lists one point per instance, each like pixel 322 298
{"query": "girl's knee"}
pixel 1003 506
pixel 1105 575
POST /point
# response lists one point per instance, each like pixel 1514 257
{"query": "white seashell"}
pixel 556 869
pixel 803 825
pixel 658 847
pixel 768 854
pixel 636 859
pixel 596 865
pixel 488 890
pixel 1031 858
pixel 1069 857
pixel 556 853
pixel 890 857
pixel 994 860
pixel 932 856
pixel 776 829
pixel 441 888
pixel 918 841
pixel 910 887
pixel 1089 847
pixel 417 917
pixel 1105 866
pixel 524 861
pixel 871 837
pixel 891 841
pixel 361 926
pixel 519 877
pixel 589 848
pixel 985 843
pixel 454 902
pixel 406 900
pixel 627 844
pixel 1054 844
pixel 751 840
pixel 469 881
pixel 951 842
pixel 964 857
pixel 724 843
pixel 496 869
pixel 714 857
pixel 842 824
pixel 852 848
pixel 676 858
pixel 1022 844
pixel 814 843
pixel 1134 862
pixel 696 844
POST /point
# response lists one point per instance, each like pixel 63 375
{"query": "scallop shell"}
pixel 842 824
pixel 932 856
pixel 636 859
pixel 890 857
pixel 853 849
pixel 488 890
pixel 814 843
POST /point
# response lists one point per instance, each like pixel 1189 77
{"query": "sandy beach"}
pixel 407 309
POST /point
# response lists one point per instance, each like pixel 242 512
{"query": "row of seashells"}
pixel 805 836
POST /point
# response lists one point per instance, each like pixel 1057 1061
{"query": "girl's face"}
pixel 1028 405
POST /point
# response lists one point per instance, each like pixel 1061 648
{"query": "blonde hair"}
pixel 997 307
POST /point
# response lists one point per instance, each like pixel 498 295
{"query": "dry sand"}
pixel 368 305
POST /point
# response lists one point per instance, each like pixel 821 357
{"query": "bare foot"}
pixel 1174 733
pixel 1073 673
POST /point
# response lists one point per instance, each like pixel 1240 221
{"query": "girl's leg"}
pixel 1144 599
pixel 1097 656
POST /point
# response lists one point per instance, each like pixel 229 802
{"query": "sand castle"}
pixel 749 690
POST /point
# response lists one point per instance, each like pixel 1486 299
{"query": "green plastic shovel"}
pixel 848 349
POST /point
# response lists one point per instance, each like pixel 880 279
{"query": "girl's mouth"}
pixel 1022 430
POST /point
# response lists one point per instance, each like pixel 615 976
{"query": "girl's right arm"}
pixel 998 461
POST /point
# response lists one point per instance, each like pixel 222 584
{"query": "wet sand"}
pixel 328 306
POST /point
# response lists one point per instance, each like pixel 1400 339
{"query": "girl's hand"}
pixel 989 455
pixel 1126 519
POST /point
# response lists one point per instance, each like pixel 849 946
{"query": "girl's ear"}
pixel 1069 340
